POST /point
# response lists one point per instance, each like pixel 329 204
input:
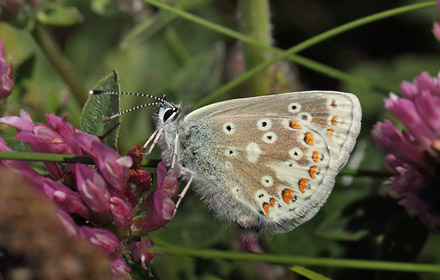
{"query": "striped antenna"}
pixel 107 118
pixel 160 99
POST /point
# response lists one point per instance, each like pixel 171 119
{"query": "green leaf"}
pixel 100 106
pixel 56 14
pixel 308 273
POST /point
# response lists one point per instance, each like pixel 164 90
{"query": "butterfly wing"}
pixel 270 162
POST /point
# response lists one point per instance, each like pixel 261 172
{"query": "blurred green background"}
pixel 158 53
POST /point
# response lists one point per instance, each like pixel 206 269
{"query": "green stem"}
pixel 151 163
pixel 308 43
pixel 299 60
pixel 308 273
pixel 156 22
pixel 300 260
pixel 308 63
pixel 30 156
pixel 60 63
pixel 255 23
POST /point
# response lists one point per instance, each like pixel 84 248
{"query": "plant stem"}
pixel 300 260
pixel 308 273
pixel 30 156
pixel 295 58
pixel 308 63
pixel 308 43
pixel 60 63
pixel 255 23
pixel 151 163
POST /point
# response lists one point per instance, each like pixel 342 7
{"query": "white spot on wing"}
pixel 253 152
pixel 228 165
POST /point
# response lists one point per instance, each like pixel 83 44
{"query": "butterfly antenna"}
pixel 107 118
pixel 161 100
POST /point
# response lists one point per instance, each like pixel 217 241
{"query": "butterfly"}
pixel 265 163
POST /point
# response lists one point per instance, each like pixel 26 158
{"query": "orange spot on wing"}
pixel 303 184
pixel 330 131
pixel 315 156
pixel 272 202
pixel 294 124
pixel 312 171
pixel 287 195
pixel 266 207
pixel 334 120
pixel 309 139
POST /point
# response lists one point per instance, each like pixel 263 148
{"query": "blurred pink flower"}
pixel 93 189
pixel 413 155
pixel 100 237
pixel 65 198
pixel 97 204
pixel 122 212
pixel 117 264
pixel 436 30
pixel 168 183
pixel 6 75
pixel 113 167
pixel 159 210
pixel 158 207
pixel 142 253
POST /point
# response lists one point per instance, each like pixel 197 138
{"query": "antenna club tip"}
pixel 106 118
pixel 96 92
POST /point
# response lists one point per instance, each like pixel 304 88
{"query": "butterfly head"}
pixel 167 113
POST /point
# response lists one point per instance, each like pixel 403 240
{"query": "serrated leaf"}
pixel 99 106
pixel 56 14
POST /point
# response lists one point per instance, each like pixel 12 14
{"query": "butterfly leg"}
pixel 150 139
pixel 182 194
pixel 156 136
pixel 174 158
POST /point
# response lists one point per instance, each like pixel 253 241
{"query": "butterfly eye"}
pixel 168 113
